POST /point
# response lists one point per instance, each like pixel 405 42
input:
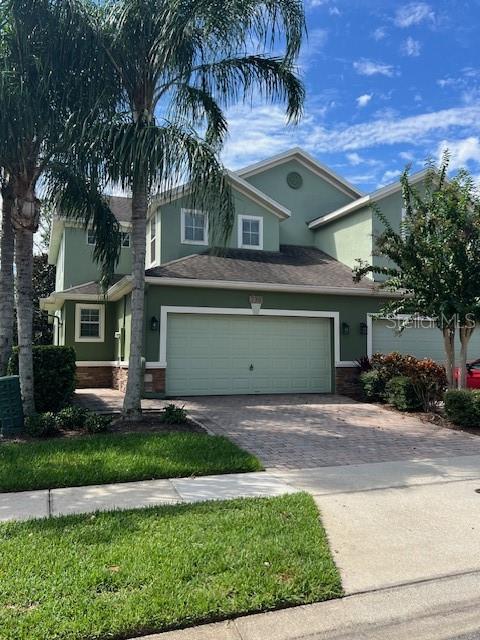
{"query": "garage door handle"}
pixel 251 367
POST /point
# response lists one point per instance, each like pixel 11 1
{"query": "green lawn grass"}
pixel 122 574
pixel 110 458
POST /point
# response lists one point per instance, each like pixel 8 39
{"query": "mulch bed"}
pixel 152 422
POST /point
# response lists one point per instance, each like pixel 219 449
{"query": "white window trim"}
pixel 258 219
pixel 78 309
pixel 152 240
pixel 183 240
pixel 288 313
pixel 126 233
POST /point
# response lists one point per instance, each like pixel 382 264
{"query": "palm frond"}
pixel 79 198
pixel 198 106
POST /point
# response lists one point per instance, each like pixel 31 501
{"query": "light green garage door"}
pixel 418 341
pixel 223 354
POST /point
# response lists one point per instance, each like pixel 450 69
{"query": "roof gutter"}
pixel 269 286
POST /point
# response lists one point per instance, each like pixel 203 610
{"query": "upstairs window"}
pixel 250 232
pixel 194 227
pixel 153 239
pixel 89 322
pixel 91 238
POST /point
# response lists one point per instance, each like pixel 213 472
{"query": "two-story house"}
pixel 276 311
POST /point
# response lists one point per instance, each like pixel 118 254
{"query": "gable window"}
pixel 194 227
pixel 153 239
pixel 89 322
pixel 250 232
pixel 125 239
pixel 91 237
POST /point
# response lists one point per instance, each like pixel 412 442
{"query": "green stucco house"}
pixel 276 311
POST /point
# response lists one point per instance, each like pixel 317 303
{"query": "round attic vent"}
pixel 294 180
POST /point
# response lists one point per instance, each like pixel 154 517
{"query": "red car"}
pixel 473 374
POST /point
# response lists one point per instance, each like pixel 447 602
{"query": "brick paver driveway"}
pixel 295 431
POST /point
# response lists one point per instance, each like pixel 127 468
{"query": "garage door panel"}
pixel 421 342
pixel 212 354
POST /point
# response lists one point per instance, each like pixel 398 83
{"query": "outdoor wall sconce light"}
pixel 256 304
pixel 154 324
pixel 363 328
pixel 345 328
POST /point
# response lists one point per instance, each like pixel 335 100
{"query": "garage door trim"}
pixel 292 313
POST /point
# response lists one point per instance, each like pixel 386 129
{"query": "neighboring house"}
pixel 275 311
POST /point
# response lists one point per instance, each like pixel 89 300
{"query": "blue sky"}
pixel 387 83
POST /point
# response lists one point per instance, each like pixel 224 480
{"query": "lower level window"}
pixel 89 322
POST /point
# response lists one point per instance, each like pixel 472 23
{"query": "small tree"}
pixel 434 257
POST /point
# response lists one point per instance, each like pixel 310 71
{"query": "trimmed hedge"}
pixel 428 380
pixel 53 376
pixel 462 407
pixel 400 392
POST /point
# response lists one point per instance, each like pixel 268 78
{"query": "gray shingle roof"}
pixel 90 288
pixel 121 208
pixel 292 265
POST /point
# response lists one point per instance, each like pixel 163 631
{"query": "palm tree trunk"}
pixel 7 245
pixel 132 402
pixel 448 332
pixel 26 216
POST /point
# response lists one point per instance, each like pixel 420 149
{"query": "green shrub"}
pixel 428 378
pixel 95 423
pixel 173 414
pixel 400 392
pixel 462 407
pixel 373 384
pixel 41 425
pixel 72 418
pixel 53 376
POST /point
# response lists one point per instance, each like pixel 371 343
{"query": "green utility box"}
pixel 11 411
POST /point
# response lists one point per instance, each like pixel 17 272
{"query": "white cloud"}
pixel 364 99
pixel 379 34
pixel 408 156
pixel 447 82
pixel 461 151
pixel 313 4
pixel 317 38
pixel 413 13
pixel 414 130
pixel 411 47
pixel 390 176
pixel 334 11
pixel 259 132
pixel 354 158
pixel 362 178
pixel 370 68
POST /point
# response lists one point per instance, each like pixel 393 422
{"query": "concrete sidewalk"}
pixel 433 610
pixel 133 495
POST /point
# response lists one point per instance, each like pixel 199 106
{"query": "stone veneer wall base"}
pixel 347 382
pixel 115 377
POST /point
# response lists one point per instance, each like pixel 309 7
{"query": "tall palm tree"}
pixel 7 243
pixel 179 64
pixel 46 71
